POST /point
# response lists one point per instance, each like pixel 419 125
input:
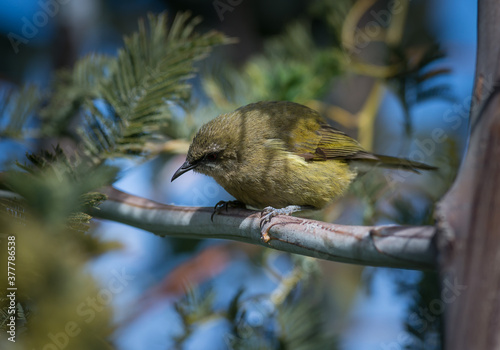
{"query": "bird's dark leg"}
pixel 269 212
pixel 224 205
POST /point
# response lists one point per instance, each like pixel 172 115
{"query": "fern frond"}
pixel 57 188
pixel 73 91
pixel 150 72
pixel 16 108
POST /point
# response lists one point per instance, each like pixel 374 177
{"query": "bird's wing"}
pixel 329 143
pixel 315 140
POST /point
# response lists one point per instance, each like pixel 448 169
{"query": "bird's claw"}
pixel 265 217
pixel 224 205
pixel 267 214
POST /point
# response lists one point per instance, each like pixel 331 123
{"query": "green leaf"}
pixel 16 108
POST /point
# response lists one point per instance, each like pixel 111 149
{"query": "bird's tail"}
pixel 400 163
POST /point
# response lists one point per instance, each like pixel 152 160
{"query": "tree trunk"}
pixel 469 215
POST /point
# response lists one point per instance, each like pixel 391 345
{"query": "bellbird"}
pixel 281 156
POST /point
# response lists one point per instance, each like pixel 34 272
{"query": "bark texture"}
pixel 469 215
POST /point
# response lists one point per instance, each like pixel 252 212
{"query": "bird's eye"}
pixel 211 156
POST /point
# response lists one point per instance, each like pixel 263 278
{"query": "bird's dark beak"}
pixel 183 169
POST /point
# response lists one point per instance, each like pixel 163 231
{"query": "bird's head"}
pixel 214 150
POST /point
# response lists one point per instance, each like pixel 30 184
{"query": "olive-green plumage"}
pixel 279 154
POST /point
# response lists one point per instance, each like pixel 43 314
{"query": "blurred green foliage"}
pixel 46 221
pixel 292 68
pixel 106 107
pixel 283 319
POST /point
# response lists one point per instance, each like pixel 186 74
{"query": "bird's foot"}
pixel 225 205
pixel 269 212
